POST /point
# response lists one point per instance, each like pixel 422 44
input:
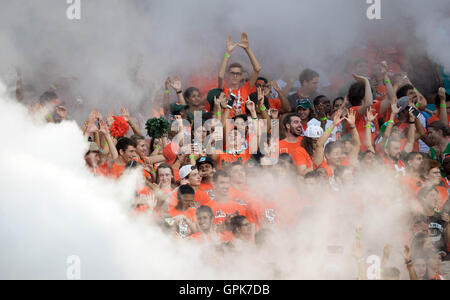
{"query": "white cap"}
pixel 185 171
pixel 314 131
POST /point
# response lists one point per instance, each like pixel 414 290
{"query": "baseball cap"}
pixel 186 170
pixel 403 103
pixel 314 132
pixel 204 160
pixel 304 103
pixel 93 147
pixel 176 108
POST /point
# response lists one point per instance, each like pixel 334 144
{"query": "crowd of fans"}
pixel 204 169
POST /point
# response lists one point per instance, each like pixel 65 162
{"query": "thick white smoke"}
pixel 121 50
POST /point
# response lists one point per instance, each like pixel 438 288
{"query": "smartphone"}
pixel 231 100
pixel 414 111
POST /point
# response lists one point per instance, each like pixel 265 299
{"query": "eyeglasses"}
pixel 236 74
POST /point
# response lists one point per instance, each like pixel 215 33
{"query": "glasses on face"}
pixel 236 74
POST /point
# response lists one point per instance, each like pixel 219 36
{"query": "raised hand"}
pixel 274 84
pixel 260 96
pixel 125 114
pixel 92 127
pixel 441 93
pixel 103 127
pixel 176 84
pixel 384 68
pixel 407 253
pixel 360 78
pixel 337 119
pixel 351 118
pixel 230 46
pixel 244 44
pixel 251 106
pixel 394 107
pixel 168 83
pixel 371 115
pixel 109 118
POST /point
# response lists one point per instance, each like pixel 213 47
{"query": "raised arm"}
pixel 411 133
pixel 351 120
pixel 285 106
pixel 244 44
pixel 390 95
pixel 409 263
pixel 223 66
pixel 443 106
pixel 394 111
pixel 263 109
pixel 166 104
pixel 112 147
pixel 368 98
pixel 126 116
pixel 318 154
pixel 371 117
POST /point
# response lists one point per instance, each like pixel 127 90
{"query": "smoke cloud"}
pixel 119 53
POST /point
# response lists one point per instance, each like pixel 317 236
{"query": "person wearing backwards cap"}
pixel 189 175
pixel 306 113
pixel 206 168
pixel 93 158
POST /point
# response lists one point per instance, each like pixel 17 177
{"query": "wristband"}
pixel 263 108
pixel 106 143
pixel 412 123
pixel 192 157
pixel 387 81
pixel 416 90
pixel 179 92
pixel 391 121
pixel 324 119
pixel 166 92
pixel 256 119
pixel 368 126
pixel 418 105
pixel 329 130
pixel 227 55
pixel 444 105
pixel 158 147
pixel 218 113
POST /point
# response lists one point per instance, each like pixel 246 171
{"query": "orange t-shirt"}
pixel 436 118
pixel 200 198
pixel 116 170
pixel 207 188
pixel 242 95
pixel 361 123
pixel 102 170
pixel 221 210
pixel 225 159
pixel 296 151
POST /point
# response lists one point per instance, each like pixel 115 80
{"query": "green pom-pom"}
pixel 157 127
